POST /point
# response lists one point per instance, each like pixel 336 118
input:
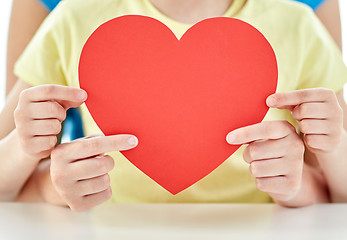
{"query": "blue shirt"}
pixel 314 4
pixel 50 4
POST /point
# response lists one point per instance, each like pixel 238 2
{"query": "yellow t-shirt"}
pixel 307 57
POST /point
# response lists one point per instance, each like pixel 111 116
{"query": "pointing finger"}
pixel 260 131
pixel 289 99
pixel 56 93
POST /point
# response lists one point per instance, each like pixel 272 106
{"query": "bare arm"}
pixel 39 187
pixel 334 164
pixel 6 115
pixel 26 17
pixel 320 114
pixel 15 169
pixel 329 14
pixel 343 104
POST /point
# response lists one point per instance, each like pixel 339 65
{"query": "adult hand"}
pixel 318 113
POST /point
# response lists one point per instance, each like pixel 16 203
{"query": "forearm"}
pixel 334 167
pixel 313 189
pixel 39 187
pixel 16 168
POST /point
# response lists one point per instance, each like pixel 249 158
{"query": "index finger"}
pixel 260 131
pixel 54 92
pixel 89 147
pixel 289 99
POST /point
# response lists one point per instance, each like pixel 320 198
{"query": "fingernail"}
pixel 271 101
pixel 82 95
pixel 132 141
pixel 231 138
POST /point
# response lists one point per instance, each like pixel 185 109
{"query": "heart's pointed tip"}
pixel 174 191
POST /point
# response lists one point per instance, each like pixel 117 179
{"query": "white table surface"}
pixel 174 221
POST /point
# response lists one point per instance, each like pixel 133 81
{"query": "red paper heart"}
pixel 179 97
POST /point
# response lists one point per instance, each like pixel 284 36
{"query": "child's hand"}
pixel 318 113
pixel 275 154
pixel 39 114
pixel 79 169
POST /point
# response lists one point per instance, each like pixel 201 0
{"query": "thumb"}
pixel 76 102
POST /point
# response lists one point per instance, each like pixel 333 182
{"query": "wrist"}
pixel 333 166
pixel 313 190
pixel 338 152
pixel 21 156
pixel 16 168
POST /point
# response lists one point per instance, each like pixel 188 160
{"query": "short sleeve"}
pixel 323 64
pixel 50 4
pixel 40 63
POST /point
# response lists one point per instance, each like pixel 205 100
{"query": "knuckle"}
pixel 107 165
pixel 105 180
pixel 253 169
pixel 59 111
pixel 92 144
pixel 278 129
pixel 53 108
pixel 301 111
pixel 110 161
pixel 270 128
pixel 18 114
pixel 326 93
pixel 260 184
pixel 48 90
pixel 296 113
pixel 52 141
pixel 303 95
pixel 108 193
pixel 48 142
pixel 55 126
pixel 298 145
pixel 304 126
pixel 247 156
pixel 62 115
pixel 253 151
pixel 25 94
pixel 101 166
pixel 310 141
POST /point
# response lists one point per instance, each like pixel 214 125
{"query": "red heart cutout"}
pixel 179 97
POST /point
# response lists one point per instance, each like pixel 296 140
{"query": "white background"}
pixel 5 6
